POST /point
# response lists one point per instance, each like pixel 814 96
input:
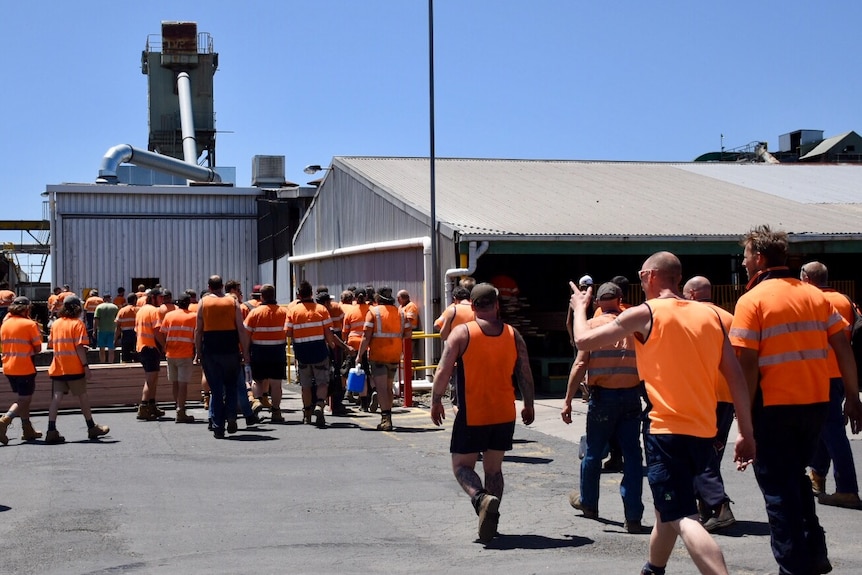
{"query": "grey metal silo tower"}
pixel 180 66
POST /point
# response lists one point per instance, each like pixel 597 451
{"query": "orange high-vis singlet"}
pixel 485 376
pixel 215 313
pixel 722 390
pixel 679 363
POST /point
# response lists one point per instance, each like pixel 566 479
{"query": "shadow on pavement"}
pixel 525 459
pixel 506 542
pixel 744 528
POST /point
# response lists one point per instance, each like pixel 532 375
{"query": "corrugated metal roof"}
pixel 825 145
pixel 583 198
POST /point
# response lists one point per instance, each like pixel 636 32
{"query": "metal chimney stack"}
pixel 180 67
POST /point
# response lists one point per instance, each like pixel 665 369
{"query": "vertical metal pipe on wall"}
pixel 187 119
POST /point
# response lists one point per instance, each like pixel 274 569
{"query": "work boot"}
pixel 253 420
pixel 489 517
pixel 838 499
pixel 29 434
pixel 4 424
pixel 319 419
pixel 306 415
pixel 158 412
pixel 231 425
pixel 256 406
pixel 374 404
pixel 183 417
pixel 277 417
pixel 145 413
pixel 385 422
pixel 264 401
pixel 205 398
pixel 720 519
pixel 97 431
pixel 818 482
pixel 53 437
pixel 575 501
pixel 633 526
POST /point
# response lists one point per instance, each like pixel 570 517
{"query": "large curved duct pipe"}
pixel 475 252
pixel 187 119
pixel 125 153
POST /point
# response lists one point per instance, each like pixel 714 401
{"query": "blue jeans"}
pixel 223 371
pixel 614 413
pixel 834 445
pixel 709 485
pixel 786 436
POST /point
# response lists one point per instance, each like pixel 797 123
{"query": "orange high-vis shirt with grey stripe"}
pixel 147 321
pixel 267 325
pixel 92 303
pixel 354 324
pixel 21 341
pixel 126 317
pixel 178 328
pixel 679 363
pixel 613 366
pixel 788 323
pixel 67 334
pixel 387 323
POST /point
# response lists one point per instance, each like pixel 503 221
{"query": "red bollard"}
pixel 408 372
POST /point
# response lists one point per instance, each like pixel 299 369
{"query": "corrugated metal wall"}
pixel 347 213
pixel 103 239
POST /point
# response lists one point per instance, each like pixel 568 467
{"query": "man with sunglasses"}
pixel 679 433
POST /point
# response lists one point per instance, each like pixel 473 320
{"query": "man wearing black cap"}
pixel 614 414
pixel 385 331
pixel 488 353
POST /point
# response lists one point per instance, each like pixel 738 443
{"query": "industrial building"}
pixel 170 215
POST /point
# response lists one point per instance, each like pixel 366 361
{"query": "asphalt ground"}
pixel 158 497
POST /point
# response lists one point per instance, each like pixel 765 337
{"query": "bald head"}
pixel 697 288
pixel 667 268
pixel 814 273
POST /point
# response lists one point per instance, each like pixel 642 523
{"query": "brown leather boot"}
pixel 183 417
pixel 29 434
pixel 145 413
pixel 4 423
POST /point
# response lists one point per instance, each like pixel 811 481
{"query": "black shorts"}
pixel 23 385
pixel 673 461
pixel 480 438
pixel 150 358
pixel 261 370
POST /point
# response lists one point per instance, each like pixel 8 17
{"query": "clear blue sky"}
pixel 312 79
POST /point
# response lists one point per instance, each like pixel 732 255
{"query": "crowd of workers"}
pixel 781 365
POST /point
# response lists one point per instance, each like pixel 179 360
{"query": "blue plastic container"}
pixel 355 380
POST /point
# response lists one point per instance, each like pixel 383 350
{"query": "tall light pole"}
pixel 435 260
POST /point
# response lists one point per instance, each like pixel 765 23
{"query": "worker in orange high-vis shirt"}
pixel 70 369
pixel 489 354
pixel 267 328
pixel 308 327
pixel 149 345
pixel 386 328
pixel 178 329
pixel 21 341
pixel 678 435
pixel 351 333
pixel 782 331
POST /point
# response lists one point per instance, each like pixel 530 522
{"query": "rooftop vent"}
pixel 267 171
